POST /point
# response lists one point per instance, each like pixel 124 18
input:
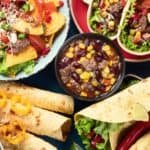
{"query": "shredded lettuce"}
pixel 85 125
pixel 26 67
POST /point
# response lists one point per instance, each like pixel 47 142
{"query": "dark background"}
pixel 46 80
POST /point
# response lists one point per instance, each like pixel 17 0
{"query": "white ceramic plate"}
pixel 58 42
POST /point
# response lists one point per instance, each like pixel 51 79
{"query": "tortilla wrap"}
pixel 30 143
pixel 43 122
pixel 131 104
pixel 41 98
pixel 142 144
pixel 127 106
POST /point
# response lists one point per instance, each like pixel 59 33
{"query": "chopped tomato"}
pixel 4 38
pixel 6 2
pixel 40 7
pixel 48 9
pixel 38 43
pixel 61 3
pixel 123 3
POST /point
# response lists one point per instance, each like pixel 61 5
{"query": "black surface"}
pixel 46 80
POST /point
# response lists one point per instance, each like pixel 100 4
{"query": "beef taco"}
pixel 134 35
pixel 104 16
pixel 101 126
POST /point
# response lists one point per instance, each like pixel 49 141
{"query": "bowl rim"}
pixel 104 39
pixel 124 48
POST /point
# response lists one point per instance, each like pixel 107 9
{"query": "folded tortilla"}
pixel 131 104
pixel 41 98
pixel 142 144
pixel 31 142
pixel 43 122
pixel 127 106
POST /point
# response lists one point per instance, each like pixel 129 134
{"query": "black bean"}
pixel 98 75
pixel 64 62
pixel 98 58
pixel 75 76
pixel 81 53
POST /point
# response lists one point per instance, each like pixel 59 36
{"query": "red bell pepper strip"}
pixel 4 38
pixel 38 43
pixel 137 130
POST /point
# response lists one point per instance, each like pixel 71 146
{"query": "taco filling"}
pixel 105 16
pixel 135 34
pixel 26 33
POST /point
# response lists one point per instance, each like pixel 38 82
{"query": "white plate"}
pixel 44 61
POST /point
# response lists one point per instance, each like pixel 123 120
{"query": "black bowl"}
pixel 103 39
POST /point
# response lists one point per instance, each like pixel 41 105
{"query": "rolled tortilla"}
pixel 142 144
pixel 31 142
pixel 43 122
pixel 131 104
pixel 41 98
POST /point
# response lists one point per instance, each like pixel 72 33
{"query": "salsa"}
pixel 89 67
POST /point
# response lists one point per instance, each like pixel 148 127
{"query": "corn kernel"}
pixel 92 51
pixel 89 48
pixel 82 59
pixel 97 92
pixel 108 88
pixel 110 63
pixel 94 83
pixel 106 47
pixel 115 1
pixel 111 1
pixel 89 55
pixel 106 70
pixel 85 75
pixel 104 14
pixel 71 49
pixel 111 24
pixel 113 80
pixel 82 46
pixel 79 70
pixel 69 55
pixel 83 94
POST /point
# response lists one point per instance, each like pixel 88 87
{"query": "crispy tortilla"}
pixel 41 98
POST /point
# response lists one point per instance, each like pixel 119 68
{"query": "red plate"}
pixel 79 14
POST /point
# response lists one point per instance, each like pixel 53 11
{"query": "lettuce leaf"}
pixel 26 67
pixel 85 125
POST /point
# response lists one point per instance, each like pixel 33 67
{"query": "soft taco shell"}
pixel 31 142
pixel 43 122
pixel 41 98
pixel 142 144
pixel 131 104
pixel 57 22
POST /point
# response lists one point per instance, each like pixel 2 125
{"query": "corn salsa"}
pixel 89 67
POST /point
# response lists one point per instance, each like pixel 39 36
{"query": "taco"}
pixel 101 126
pixel 104 16
pixel 134 35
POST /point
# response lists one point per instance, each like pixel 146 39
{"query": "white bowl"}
pixel 44 61
pixel 1 147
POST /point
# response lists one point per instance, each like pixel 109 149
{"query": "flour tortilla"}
pixel 31 142
pixel 143 143
pixel 41 98
pixel 131 104
pixel 127 106
pixel 43 122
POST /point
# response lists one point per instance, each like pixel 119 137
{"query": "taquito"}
pixel 41 98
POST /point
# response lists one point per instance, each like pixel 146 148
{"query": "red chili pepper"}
pixel 38 43
pixel 137 130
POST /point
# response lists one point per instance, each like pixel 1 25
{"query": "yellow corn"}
pixel 82 59
pixel 95 83
pixel 69 55
pixel 97 92
pixel 82 46
pixel 113 80
pixel 89 48
pixel 79 71
pixel 89 55
pixel 85 75
pixel 71 49
pixel 84 94
pixel 106 47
